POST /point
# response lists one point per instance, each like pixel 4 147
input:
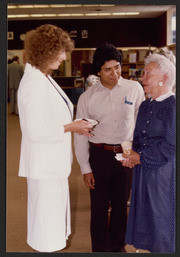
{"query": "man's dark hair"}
pixel 105 53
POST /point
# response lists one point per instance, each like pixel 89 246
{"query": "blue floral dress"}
pixel 151 221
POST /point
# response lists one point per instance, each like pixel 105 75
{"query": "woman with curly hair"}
pixel 45 114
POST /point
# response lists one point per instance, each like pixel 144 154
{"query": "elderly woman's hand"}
pixel 131 159
pixel 81 127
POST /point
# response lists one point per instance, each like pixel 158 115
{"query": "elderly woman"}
pixel 151 221
pixel 45 114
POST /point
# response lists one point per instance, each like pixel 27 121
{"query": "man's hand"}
pixel 89 180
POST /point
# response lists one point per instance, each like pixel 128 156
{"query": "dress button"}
pixel 144 131
pixel 147 121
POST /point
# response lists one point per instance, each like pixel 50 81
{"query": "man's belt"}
pixel 113 148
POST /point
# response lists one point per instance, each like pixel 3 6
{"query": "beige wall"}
pixel 169 26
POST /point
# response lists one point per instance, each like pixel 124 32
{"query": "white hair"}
pixel 165 65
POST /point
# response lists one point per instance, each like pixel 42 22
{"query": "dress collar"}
pixel 163 97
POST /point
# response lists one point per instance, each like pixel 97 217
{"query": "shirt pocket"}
pixel 126 107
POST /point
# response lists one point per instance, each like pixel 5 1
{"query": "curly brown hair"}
pixel 43 44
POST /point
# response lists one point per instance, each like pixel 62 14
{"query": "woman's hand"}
pixel 81 127
pixel 131 159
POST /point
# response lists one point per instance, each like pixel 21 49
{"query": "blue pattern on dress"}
pixel 151 221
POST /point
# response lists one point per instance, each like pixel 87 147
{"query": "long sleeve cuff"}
pixel 86 168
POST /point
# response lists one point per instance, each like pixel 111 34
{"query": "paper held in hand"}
pixel 119 157
pixel 91 121
pixel 127 147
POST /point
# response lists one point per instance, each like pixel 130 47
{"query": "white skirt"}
pixel 48 214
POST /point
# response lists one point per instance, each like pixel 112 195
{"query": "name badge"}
pixel 127 102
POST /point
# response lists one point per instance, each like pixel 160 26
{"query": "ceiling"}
pixel 21 12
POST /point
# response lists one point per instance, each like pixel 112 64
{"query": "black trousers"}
pixel 108 235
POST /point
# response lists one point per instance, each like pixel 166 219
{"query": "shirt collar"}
pixel 118 84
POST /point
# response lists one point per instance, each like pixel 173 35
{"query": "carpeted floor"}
pixel 79 241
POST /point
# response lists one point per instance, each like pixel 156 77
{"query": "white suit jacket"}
pixel 45 148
